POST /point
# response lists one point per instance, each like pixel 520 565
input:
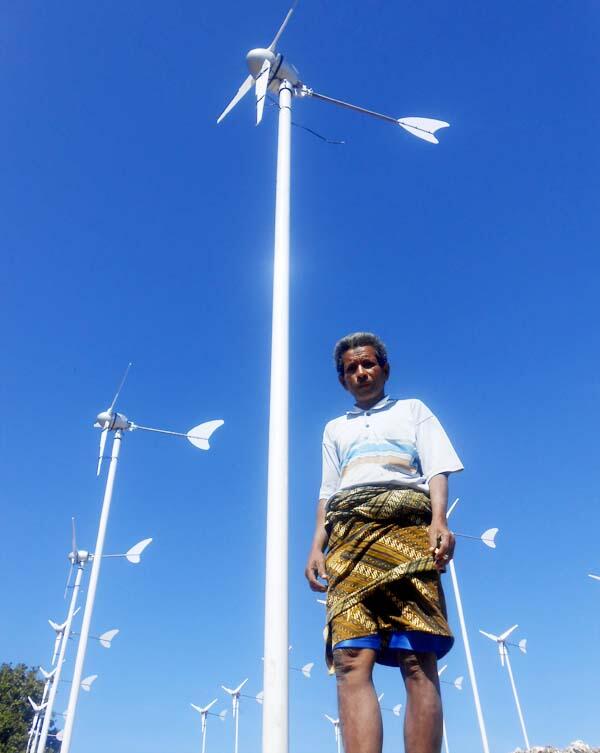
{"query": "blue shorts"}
pixel 409 640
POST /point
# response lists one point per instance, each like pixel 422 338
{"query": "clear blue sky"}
pixel 133 228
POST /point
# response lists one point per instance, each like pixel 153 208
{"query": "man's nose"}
pixel 361 373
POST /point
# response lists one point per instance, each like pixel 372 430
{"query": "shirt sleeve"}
pixel 330 480
pixel 436 453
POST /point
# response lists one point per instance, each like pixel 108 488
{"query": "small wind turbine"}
pixel 270 71
pixel 458 685
pixel 203 711
pixel 491 542
pixel 235 702
pixel 336 729
pixel 504 658
pixel 109 420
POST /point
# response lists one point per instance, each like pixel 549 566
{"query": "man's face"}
pixel 363 377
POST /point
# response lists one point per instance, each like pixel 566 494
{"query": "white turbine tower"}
pixel 504 658
pixel 203 711
pixel 269 71
pixel 235 702
pixel 109 420
pixel 489 539
pixel 336 729
pixel 458 685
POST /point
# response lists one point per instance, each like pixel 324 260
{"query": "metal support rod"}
pixel 471 668
pixel 275 704
pixel 445 736
pixel 41 747
pixel 91 594
pixel 311 93
pixel 514 689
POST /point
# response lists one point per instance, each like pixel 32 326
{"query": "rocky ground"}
pixel 576 747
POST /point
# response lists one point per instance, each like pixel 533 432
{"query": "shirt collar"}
pixel 383 403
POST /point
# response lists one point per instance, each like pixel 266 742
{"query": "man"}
pixel 382 519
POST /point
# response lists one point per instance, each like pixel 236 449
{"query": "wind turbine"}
pixel 489 540
pixel 111 421
pixel 270 71
pixel 235 702
pixel 458 685
pixel 203 711
pixel 336 729
pixel 503 651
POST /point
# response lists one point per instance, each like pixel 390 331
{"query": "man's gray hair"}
pixel 357 340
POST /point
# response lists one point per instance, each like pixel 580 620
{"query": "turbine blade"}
pixel 329 718
pixel 286 20
pixel 210 705
pixel 523 645
pixel 458 683
pixel 380 697
pixel 506 633
pixel 48 675
pixel 240 686
pixel 489 537
pixel 107 638
pixel 396 709
pixel 103 436
pixel 423 128
pixel 262 82
pixel 452 506
pixel 595 577
pixel 198 709
pixel 228 690
pixel 114 402
pixel 242 91
pixel 491 636
pixel 200 434
pixel 133 555
pixel 306 669
pixel 87 682
pixel 441 670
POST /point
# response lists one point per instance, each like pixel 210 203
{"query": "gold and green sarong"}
pixel 383 588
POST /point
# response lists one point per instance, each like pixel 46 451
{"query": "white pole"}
pixel 41 747
pixel 275 704
pixel 91 595
pixel 236 710
pixel 470 666
pixel 445 736
pixel 203 733
pixel 338 737
pixel 514 689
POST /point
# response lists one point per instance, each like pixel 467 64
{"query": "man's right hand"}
pixel 315 568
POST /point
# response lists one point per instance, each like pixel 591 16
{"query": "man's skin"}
pixel 360 713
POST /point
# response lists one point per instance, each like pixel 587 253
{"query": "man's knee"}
pixel 418 667
pixel 352 661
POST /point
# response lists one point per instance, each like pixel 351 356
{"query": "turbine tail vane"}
pixel 423 128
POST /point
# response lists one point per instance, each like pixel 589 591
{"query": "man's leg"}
pixel 360 714
pixel 423 718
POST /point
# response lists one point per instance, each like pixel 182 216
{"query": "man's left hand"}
pixel 442 544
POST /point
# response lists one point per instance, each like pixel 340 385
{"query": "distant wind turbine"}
pixel 336 729
pixel 503 651
pixel 111 421
pixel 465 636
pixel 235 702
pixel 203 711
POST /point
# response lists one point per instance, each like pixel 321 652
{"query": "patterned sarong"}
pixel 381 574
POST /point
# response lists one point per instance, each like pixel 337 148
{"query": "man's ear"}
pixel 342 381
pixel 386 370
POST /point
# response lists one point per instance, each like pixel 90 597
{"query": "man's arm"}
pixel 440 538
pixel 315 566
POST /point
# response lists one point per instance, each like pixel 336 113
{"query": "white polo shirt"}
pixel 394 443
